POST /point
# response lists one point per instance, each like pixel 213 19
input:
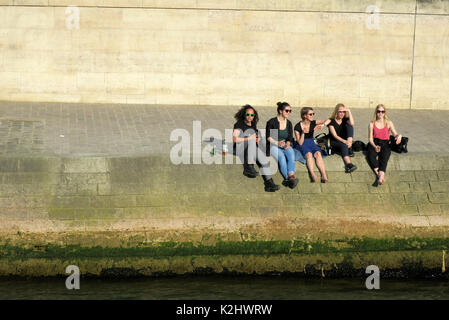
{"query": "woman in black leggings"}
pixel 379 137
pixel 246 146
pixel 341 128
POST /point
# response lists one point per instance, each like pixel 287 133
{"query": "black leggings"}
pixel 341 147
pixel 252 153
pixel 383 155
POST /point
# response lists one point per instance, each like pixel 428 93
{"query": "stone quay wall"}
pixel 227 52
pixel 146 216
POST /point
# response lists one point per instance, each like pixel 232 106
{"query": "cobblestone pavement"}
pixel 29 128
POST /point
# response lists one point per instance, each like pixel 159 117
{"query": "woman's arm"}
pixel 371 136
pixel 300 136
pixel 268 128
pixel 335 135
pixel 351 118
pixel 397 136
pixel 236 138
pixel 321 123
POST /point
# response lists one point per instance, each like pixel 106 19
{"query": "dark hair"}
pixel 240 115
pixel 304 111
pixel 281 106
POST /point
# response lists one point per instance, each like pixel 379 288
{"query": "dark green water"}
pixel 223 288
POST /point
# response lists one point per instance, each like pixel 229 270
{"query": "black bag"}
pixel 323 141
pixel 399 148
pixel 358 146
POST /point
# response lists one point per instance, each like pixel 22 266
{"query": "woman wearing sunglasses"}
pixel 279 135
pixel 245 138
pixel 307 146
pixel 341 129
pixel 378 148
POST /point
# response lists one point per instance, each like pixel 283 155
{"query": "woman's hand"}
pixel 398 139
pixel 287 145
pixel 377 149
pixel 252 137
pixel 281 144
pixel 319 127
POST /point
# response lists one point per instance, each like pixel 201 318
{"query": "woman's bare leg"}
pixel 310 166
pixel 320 165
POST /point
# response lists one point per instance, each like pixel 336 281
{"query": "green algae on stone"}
pixel 223 248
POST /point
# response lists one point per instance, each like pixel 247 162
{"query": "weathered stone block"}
pixel 416 198
pixel 444 209
pixel 420 186
pixel 84 165
pixel 61 213
pixel 307 187
pixel 428 175
pixel 157 200
pixel 356 187
pixel 70 202
pixel 439 197
pixel 439 186
pixel 429 209
pixel 399 187
pixel 380 189
pixel 407 209
pixel 363 176
pixel 9 165
pixel 339 177
pixel 443 175
pixel 333 187
pixel 403 176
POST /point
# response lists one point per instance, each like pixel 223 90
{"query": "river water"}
pixel 222 288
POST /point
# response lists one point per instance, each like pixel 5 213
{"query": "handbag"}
pixel 323 141
pixel 399 148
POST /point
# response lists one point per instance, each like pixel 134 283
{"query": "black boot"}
pixel 249 171
pixel 350 168
pixel 270 186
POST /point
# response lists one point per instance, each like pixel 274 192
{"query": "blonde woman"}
pixel 341 129
pixel 378 148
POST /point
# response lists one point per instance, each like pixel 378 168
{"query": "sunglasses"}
pixel 249 114
pixel 288 110
pixel 341 111
pixel 380 111
pixel 311 114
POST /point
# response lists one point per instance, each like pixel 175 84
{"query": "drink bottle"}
pixel 225 148
pixel 214 150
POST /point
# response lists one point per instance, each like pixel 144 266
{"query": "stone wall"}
pixel 47 195
pixel 205 52
pixel 144 216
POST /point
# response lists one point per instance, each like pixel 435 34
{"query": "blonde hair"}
pixel 385 120
pixel 334 113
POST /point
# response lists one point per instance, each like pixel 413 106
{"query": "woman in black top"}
pixel 279 135
pixel 309 149
pixel 341 129
pixel 246 140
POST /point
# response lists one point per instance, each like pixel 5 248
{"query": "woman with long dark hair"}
pixel 246 140
pixel 279 135
pixel 379 150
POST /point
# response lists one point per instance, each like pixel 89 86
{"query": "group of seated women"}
pixel 282 139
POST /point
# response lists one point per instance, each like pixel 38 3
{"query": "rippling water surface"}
pixel 222 288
